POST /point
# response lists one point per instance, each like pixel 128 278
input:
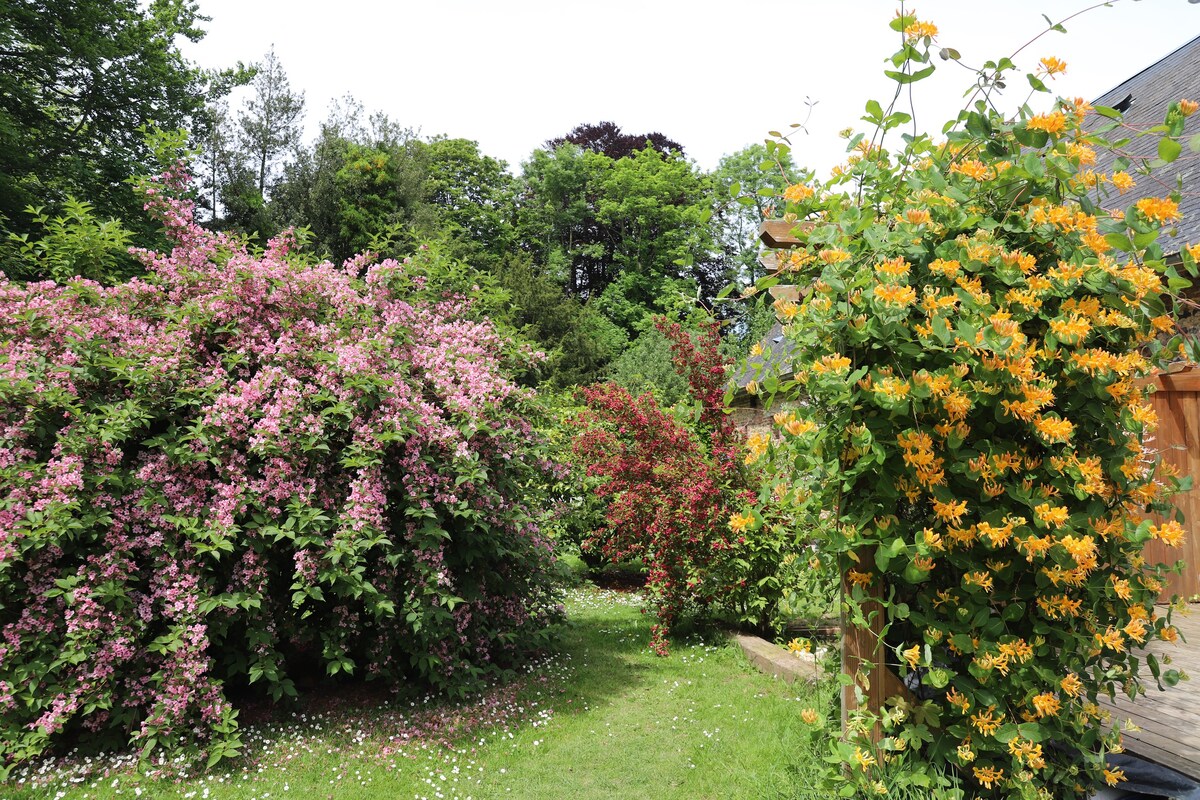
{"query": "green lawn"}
pixel 601 719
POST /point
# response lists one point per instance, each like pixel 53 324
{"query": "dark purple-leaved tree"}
pixel 609 139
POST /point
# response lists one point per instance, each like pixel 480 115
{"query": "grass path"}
pixel 603 718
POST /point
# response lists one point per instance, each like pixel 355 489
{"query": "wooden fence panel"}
pixel 1177 403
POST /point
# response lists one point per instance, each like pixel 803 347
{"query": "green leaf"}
pixel 1036 83
pixel 151 743
pixel 1030 138
pixel 906 78
pixel 1032 731
pixel 1169 150
pixel 1144 240
pixel 1006 733
pixel 1194 143
pixel 1120 241
pixel 1105 111
pixel 1034 165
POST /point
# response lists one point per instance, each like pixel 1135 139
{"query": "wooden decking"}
pixel 1169 720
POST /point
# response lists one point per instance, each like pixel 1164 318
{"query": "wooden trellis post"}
pixel 863 653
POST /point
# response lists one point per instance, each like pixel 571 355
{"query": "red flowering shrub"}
pixel 244 465
pixel 671 483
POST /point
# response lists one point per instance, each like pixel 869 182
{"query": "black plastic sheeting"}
pixel 1146 780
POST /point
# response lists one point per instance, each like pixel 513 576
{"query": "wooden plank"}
pixel 779 234
pixel 1184 381
pixel 1170 719
pixel 1176 376
pixel 785 292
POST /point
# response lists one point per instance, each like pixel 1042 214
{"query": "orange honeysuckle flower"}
pixel 1123 181
pixel 976 170
pixel 1110 639
pixel 913 656
pixel 951 511
pixel 1159 209
pixel 756 446
pixel 1054 429
pixel 979 578
pixel 857 578
pixel 1051 516
pixel 917 216
pixel 834 362
pixel 950 268
pixel 1054 122
pixel 799 427
pixel 740 522
pixel 1046 704
pixel 899 296
pixel 985 722
pixel 1082 154
pixel 797 193
pixel 1169 533
pixel 920 30
pixel 1053 66
pixel 894 267
pixel 1136 630
pixel 1079 106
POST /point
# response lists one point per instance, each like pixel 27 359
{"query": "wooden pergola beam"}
pixel 779 234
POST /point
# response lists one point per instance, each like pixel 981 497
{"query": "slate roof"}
pixel 775 359
pixel 1149 93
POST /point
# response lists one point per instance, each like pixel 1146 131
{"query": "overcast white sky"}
pixel 714 76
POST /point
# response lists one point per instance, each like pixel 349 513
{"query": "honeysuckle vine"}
pixel 977 313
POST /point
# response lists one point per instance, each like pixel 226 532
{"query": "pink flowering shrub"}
pixel 244 467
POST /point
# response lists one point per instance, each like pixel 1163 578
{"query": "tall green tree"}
pixel 272 120
pixel 472 200
pixel 79 82
pixel 557 216
pixel 359 186
pixel 630 233
pixel 740 180
pixel 748 185
pixel 578 341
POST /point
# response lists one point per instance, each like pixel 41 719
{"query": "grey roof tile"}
pixel 1151 91
pixel 775 359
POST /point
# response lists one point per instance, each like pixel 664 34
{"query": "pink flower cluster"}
pixel 247 463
